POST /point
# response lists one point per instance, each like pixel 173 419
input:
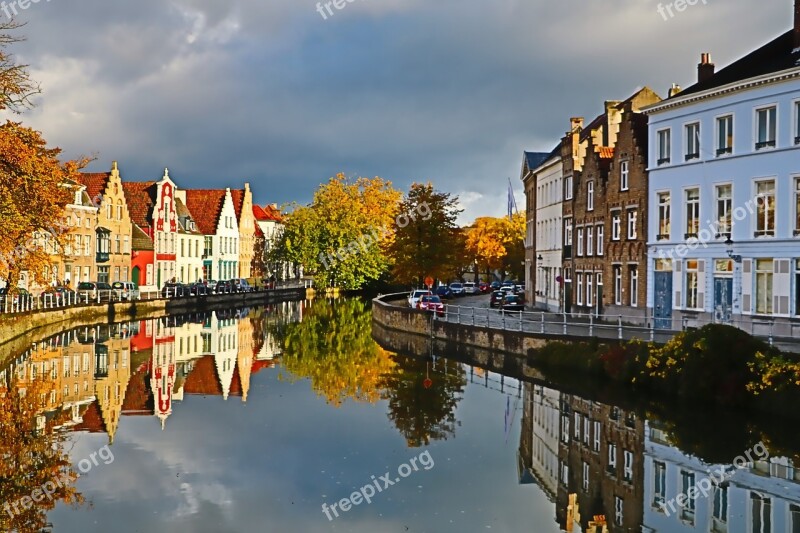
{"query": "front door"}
pixel 723 300
pixel 662 312
pixel 568 297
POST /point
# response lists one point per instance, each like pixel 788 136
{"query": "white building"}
pixel 548 247
pixel 215 216
pixel 724 195
pixel 191 243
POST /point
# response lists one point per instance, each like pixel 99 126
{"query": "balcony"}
pixel 102 257
pixel 663 161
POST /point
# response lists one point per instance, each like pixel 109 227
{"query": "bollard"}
pixel 591 325
pixel 565 323
pixel 619 327
pixel 541 329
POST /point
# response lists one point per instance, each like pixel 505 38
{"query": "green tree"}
pixel 427 241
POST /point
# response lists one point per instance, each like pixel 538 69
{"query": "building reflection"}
pixel 606 469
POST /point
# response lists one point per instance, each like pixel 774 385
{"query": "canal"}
pixel 292 418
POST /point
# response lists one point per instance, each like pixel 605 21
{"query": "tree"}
pixel 342 236
pixel 333 347
pixel 427 241
pixel 35 189
pixel 33 458
pixel 16 86
pixel 497 243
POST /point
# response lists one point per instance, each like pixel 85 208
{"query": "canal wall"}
pixel 20 329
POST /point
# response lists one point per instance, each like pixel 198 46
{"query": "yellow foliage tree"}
pixel 497 243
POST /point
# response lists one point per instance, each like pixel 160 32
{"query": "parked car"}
pixel 431 303
pixel 241 285
pixel 58 296
pixel 458 288
pixel 198 289
pixel 470 288
pixel 413 298
pixel 19 297
pixel 495 298
pixel 94 291
pixel 223 287
pixel 484 287
pixel 444 292
pixel 511 303
pixel 211 285
pixel 495 285
pixel 174 290
pixel 126 290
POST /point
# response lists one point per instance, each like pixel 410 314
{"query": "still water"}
pixel 291 418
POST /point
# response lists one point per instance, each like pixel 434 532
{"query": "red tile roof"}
pixel 92 419
pixel 259 213
pixel 238 201
pixel 138 399
pixel 606 152
pixel 206 208
pixel 140 240
pixel 203 378
pixel 140 197
pixel 95 183
pixel 273 213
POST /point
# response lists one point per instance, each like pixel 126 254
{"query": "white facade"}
pixel 224 261
pixel 763 496
pixel 189 249
pixel 548 243
pixel 726 162
pixel 546 417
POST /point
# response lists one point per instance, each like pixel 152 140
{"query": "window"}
pixel 599 240
pixel 634 279
pixel 766 119
pixel 764 272
pixel 692 212
pixel 659 484
pixel 797 287
pixel 761 511
pixel 87 245
pixel 616 224
pixel 568 232
pixel 585 476
pixel 580 242
pixel 719 512
pixel 568 188
pixel 794 511
pixel 618 510
pixel 724 209
pixel 612 457
pixel 109 210
pixel 589 289
pixel 564 473
pixel 765 200
pixel 586 427
pixel 692 132
pixel 687 482
pixel 590 196
pixel 631 224
pixel 692 284
pixel 589 240
pixel 627 471
pixel 663 215
pixel 664 147
pixel 564 428
pixel 724 135
pixel 596 437
pixel 797 206
pixel 183 254
pixel 623 176
pixel 617 272
pixel 580 289
pixel 577 426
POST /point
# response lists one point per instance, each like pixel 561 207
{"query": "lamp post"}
pixel 729 248
pixel 540 263
pixel 736 284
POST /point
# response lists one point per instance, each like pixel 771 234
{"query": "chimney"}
pixel 797 25
pixel 674 90
pixel 576 123
pixel 706 68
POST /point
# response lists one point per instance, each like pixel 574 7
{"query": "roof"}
pixel 775 56
pixel 183 212
pixel 92 419
pixel 238 200
pixel 535 159
pixel 95 183
pixel 606 152
pixel 273 213
pixel 140 197
pixel 206 208
pixel 259 214
pixel 139 239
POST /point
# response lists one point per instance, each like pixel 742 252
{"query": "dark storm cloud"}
pixel 268 91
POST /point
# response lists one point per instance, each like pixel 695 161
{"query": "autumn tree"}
pixel 341 237
pixel 16 85
pixel 497 243
pixel 333 347
pixel 34 459
pixel 429 243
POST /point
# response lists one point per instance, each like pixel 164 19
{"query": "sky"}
pixel 273 93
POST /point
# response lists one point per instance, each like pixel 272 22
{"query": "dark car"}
pixel 174 290
pixel 512 302
pixel 94 291
pixel 495 298
pixel 495 285
pixel 58 296
pixel 223 287
pixel 444 292
pixel 241 285
pixel 198 289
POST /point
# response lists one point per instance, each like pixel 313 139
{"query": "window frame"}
pixel 590 195
pixel 772 128
pixel 696 216
pixel 691 134
pixel 663 146
pixel 624 175
pixel 664 214
pixel 616 225
pixel 719 201
pixel 727 119
pixel 766 231
pixel 632 231
pixel 600 235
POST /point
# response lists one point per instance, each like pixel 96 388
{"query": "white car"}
pixel 413 298
pixel 470 288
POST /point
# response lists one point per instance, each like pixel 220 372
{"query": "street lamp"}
pixel 729 249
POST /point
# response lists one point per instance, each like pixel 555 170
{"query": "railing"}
pixel 619 327
pixel 25 303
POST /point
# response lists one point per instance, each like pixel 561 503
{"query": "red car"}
pixel 484 287
pixel 431 303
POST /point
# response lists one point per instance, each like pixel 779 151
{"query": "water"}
pixel 252 420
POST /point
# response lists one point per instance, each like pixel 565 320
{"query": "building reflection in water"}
pixel 605 469
pixel 142 368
